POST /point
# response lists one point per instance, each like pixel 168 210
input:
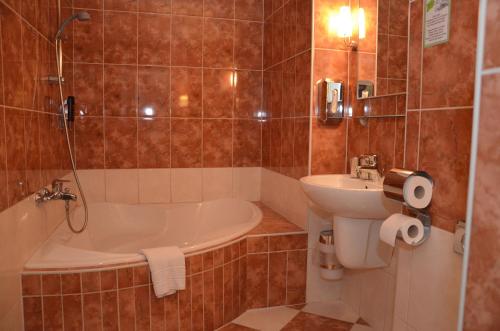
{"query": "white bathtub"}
pixel 116 232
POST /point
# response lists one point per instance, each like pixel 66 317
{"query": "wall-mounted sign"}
pixel 436 22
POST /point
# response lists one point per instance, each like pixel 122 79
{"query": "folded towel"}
pixel 168 269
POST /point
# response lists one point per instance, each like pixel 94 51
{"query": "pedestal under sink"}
pixel 358 207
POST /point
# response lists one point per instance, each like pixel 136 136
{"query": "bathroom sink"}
pixel 345 196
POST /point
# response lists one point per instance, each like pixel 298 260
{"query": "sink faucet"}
pixel 365 167
pixel 58 192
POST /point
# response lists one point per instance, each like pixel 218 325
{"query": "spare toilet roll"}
pixel 411 229
pixel 412 187
pixel 417 191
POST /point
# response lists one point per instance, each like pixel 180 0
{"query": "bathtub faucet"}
pixel 58 192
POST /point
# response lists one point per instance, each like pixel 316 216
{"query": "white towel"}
pixel 168 269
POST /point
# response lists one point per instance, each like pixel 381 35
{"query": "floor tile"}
pixel 235 327
pixel 305 322
pixel 267 319
pixel 361 327
pixel 335 310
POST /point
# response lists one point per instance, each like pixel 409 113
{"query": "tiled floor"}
pixel 309 317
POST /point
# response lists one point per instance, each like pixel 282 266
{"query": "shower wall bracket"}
pixel 52 80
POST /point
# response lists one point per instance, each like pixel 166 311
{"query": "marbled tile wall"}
pixel 482 307
pixel 287 76
pixel 32 147
pixel 27 102
pixel 392 46
pixel 334 145
pixel 439 111
pixel 168 84
pixel 435 136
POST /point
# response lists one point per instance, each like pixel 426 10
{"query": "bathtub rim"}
pixel 116 266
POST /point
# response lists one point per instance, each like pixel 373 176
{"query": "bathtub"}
pixel 116 232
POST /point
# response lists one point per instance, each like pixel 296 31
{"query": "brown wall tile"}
pixel 52 312
pixel 92 313
pixel 491 53
pixel 217 143
pixel 110 312
pixel 32 309
pixel 187 7
pixel 120 37
pixel 153 91
pixel 72 312
pixel 128 5
pixel 88 86
pixel 218 93
pixel 154 142
pixel 246 143
pixel 448 88
pixel 120 90
pixel 287 242
pixel 208 300
pixel 31 284
pixel 126 309
pixel 249 10
pixel 153 39
pixel 257 244
pixel 172 311
pixel 218 297
pixel 186 92
pixel 296 277
pixel 197 302
pixel 156 6
pixel 121 143
pixel 142 309
pixel 256 281
pixel 218 44
pixel 186 40
pixel 247 46
pixel 481 310
pixel 186 143
pixel 277 278
pixel 444 153
pixel 158 312
pixel 185 306
pixel 71 283
pixel 89 142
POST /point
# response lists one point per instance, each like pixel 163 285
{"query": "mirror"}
pixel 382 53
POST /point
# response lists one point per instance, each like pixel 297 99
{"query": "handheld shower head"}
pixel 81 16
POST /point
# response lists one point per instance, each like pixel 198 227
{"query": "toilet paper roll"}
pixel 417 191
pixel 410 228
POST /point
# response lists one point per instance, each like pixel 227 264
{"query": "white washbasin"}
pixel 344 196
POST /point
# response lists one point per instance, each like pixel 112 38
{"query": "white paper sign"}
pixel 436 22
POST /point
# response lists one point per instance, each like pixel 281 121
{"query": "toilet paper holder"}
pixel 394 183
pixel 425 218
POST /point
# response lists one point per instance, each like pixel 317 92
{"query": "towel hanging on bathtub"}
pixel 168 269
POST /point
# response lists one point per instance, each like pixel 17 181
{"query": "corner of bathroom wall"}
pixel 371 294
pixel 24 227
pixel 319 289
pixel 164 185
pixel 284 195
pixel 428 283
pixel 247 183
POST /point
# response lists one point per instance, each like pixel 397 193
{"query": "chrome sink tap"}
pixel 366 167
pixel 58 192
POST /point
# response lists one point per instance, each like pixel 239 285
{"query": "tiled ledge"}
pixel 273 223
